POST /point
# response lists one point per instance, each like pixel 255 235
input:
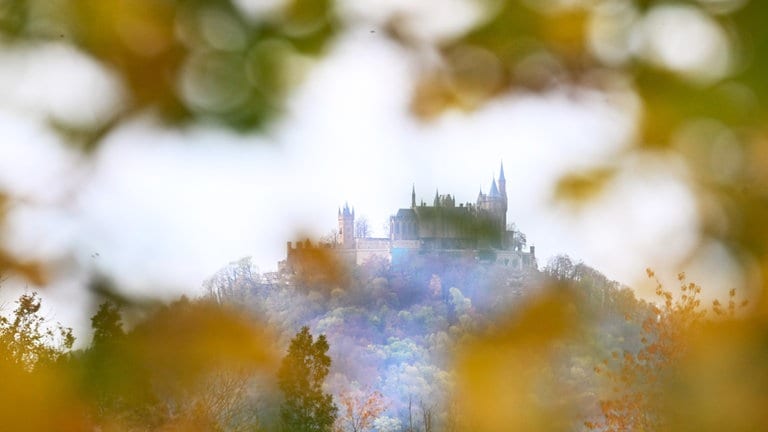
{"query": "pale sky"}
pixel 160 209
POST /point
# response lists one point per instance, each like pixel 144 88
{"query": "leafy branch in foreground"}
pixel 27 340
pixel 637 381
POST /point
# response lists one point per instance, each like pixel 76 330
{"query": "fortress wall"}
pixel 364 255
pixel 372 243
pixel 406 244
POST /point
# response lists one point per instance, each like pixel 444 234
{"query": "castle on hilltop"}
pixel 471 230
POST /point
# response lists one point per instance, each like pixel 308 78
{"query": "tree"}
pixel 184 366
pixel 560 268
pixel 331 238
pixel 306 408
pixel 106 364
pixel 219 402
pixel 360 408
pixel 26 341
pixel 107 325
pixel 637 381
pixel 362 228
pixel 34 369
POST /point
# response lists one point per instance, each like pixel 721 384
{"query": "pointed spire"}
pixel 437 198
pixel 413 195
pixel 503 190
pixel 494 189
pixel 346 210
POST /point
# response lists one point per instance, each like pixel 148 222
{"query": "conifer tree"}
pixel 306 408
pixel 107 325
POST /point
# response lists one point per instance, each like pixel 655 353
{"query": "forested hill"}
pixel 395 329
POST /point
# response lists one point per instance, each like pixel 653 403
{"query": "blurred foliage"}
pixel 504 378
pixel 210 61
pixel 317 266
pixel 160 375
pixel 166 373
pixel 30 270
pixel 635 389
pixel 38 396
pixel 198 60
pixel 581 187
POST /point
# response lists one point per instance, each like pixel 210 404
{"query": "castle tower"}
pixel 496 206
pixel 491 207
pixel 503 193
pixel 346 235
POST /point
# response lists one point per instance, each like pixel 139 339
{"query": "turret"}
pixel 503 186
pixel 346 236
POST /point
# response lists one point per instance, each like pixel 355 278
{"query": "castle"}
pixel 470 230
